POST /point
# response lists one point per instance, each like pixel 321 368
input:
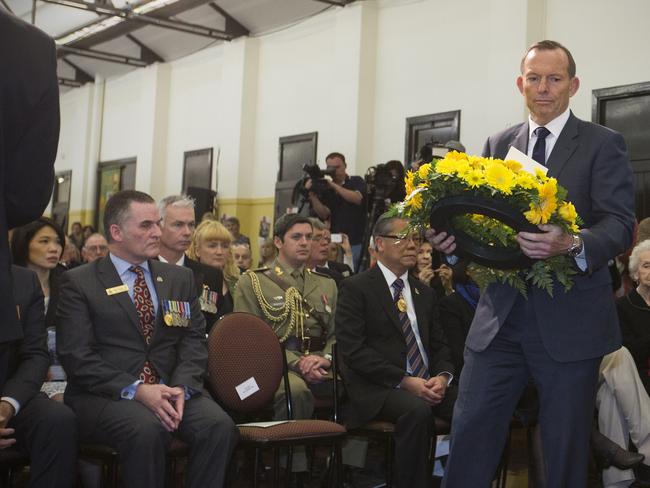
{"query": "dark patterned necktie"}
pixel 413 354
pixel 146 315
pixel 539 151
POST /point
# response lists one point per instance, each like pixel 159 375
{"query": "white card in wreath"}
pixel 528 163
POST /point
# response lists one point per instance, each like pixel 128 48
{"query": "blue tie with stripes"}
pixel 413 354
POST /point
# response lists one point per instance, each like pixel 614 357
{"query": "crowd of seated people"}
pixel 404 373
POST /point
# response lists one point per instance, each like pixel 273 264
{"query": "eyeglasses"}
pixel 96 249
pixel 414 238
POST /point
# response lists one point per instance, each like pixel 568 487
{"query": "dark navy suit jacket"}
pixel 591 162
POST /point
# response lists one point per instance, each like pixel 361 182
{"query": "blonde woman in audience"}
pixel 267 253
pixel 211 246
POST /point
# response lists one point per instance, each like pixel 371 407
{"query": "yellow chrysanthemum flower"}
pixel 513 165
pixel 500 177
pixel 447 166
pixel 568 212
pixel 424 170
pixel 415 202
pixel 525 180
pixel 534 215
pixel 547 206
pixel 540 174
pixel 474 178
pixel 456 156
pixel 408 182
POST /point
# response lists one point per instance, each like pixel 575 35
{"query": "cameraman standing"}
pixel 344 206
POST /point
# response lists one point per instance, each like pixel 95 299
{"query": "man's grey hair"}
pixel 383 225
pixel 176 201
pixel 635 257
pixel 317 224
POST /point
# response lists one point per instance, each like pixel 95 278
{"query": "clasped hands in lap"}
pixel 314 369
pixel 432 391
pixel 165 402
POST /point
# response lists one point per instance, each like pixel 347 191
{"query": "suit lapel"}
pixel 162 283
pixel 383 292
pixel 420 306
pixel 197 271
pixel 521 139
pixel 110 279
pixel 564 148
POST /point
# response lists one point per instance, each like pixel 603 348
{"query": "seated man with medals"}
pixel 299 305
pixel 131 338
pixel 177 226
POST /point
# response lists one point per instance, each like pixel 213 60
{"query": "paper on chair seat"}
pixel 264 425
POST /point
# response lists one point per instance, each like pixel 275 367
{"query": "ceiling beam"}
pixel 149 55
pixel 338 3
pixel 150 19
pixel 79 74
pixel 232 25
pixel 69 82
pixel 4 4
pixel 103 56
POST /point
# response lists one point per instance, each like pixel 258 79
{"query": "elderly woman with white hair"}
pixel 634 311
pixel 622 398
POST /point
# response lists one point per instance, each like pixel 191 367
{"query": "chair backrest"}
pixel 243 348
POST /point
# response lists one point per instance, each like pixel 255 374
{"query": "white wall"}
pixel 353 74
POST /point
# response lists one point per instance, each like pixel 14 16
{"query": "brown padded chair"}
pixel 241 347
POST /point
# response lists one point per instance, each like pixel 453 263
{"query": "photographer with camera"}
pixel 343 203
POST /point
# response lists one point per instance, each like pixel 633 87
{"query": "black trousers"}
pixel 47 431
pixel 141 440
pixel 414 428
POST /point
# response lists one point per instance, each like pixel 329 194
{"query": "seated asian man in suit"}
pixel 29 420
pixel 132 342
pixel 396 364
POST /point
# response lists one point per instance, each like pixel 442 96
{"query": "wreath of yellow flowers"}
pixel 538 197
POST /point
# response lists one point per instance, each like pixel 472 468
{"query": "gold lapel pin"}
pixel 417 292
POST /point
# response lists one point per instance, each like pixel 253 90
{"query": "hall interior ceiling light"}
pixel 104 24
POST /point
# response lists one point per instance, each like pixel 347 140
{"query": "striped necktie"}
pixel 413 354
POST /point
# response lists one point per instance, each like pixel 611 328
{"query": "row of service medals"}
pixel 176 313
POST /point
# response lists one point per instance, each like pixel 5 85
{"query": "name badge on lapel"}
pixel 176 314
pixel 116 289
pixel 208 300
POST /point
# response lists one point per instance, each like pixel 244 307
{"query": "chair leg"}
pixel 390 452
pixel 256 463
pixel 276 468
pixel 289 470
pixel 338 466
pixel 433 444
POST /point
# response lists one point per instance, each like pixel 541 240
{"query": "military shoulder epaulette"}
pixel 258 270
pixel 318 273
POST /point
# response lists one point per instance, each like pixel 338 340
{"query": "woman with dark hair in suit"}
pixel 39 247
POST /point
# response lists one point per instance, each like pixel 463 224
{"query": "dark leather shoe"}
pixel 608 453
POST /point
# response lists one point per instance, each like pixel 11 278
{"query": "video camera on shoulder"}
pixel 318 182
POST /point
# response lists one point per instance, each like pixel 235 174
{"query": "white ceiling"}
pixel 258 16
